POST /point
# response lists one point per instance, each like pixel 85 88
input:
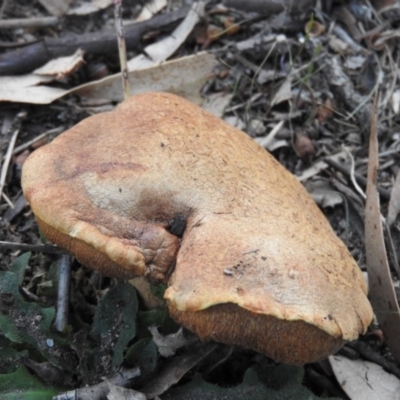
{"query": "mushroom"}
pixel 162 189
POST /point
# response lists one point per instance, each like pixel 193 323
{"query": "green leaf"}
pixel 9 356
pixel 198 389
pixel 22 385
pixel 276 377
pixel 286 382
pixel 288 387
pixel 48 286
pixel 19 265
pixel 114 321
pixel 159 318
pixel 158 290
pixel 26 322
pixel 143 354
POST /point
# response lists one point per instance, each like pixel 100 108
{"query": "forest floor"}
pixel 300 80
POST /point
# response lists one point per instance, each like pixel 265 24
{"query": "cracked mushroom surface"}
pixel 162 189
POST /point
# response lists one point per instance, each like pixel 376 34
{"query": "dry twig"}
pixel 29 22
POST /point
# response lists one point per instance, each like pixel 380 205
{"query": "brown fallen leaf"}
pixel 231 27
pixel 304 148
pixel 325 111
pixel 314 29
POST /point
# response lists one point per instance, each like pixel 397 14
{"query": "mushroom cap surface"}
pixel 257 261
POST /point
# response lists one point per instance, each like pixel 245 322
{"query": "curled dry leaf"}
pixel 231 27
pixel 167 345
pixel 160 51
pixel 62 66
pixel 314 29
pixel 208 33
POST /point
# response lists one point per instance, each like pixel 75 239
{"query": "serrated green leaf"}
pixel 27 322
pixel 22 385
pixel 143 354
pixel 19 265
pixel 115 319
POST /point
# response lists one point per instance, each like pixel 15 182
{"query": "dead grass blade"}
pixel 394 203
pixel 381 291
pixel 119 27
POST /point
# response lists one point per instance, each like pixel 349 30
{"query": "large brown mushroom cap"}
pixel 258 264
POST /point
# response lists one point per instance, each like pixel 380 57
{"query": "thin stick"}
pixel 7 159
pixel 24 146
pixel 100 391
pixel 39 248
pixel 352 172
pixel 121 47
pixel 29 23
pixel 63 292
pixel 360 179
